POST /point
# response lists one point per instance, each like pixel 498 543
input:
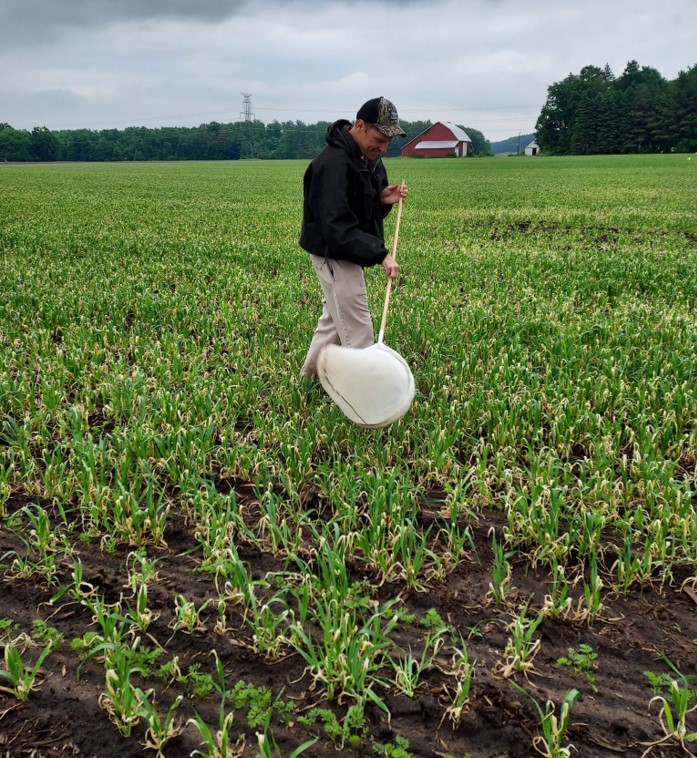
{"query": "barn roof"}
pixel 433 144
pixel 459 135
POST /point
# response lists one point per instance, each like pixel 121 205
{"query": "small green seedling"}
pixel 582 661
pixel 397 749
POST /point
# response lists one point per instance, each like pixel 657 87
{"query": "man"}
pixel 346 198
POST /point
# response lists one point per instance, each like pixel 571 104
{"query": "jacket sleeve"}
pixel 384 183
pixel 336 221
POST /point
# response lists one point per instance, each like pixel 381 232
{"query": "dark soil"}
pixel 614 716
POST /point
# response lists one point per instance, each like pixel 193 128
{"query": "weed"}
pixel 260 704
pixel 347 733
pixel 583 663
pixel 397 749
pixel 195 683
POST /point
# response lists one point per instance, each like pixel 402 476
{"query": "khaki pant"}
pixel 345 318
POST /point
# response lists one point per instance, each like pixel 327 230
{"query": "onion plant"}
pixel 348 655
pixel 553 347
pixel 499 586
pixel 674 708
pixel 188 616
pixel 22 677
pixel 120 698
pixel 219 743
pixel 457 695
pixel 554 727
pixel 409 669
pixel 521 649
pixel 160 729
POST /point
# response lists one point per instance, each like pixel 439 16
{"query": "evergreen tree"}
pixel 594 112
pixel 609 121
pixel 683 97
pixel 644 91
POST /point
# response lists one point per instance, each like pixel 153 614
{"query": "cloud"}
pixel 486 64
pixel 60 16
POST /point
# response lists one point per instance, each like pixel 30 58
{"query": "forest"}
pixel 589 113
pixel 596 113
pixel 212 141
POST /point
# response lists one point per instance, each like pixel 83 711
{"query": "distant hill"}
pixel 512 144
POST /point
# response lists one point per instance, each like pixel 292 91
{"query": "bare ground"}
pixel 612 718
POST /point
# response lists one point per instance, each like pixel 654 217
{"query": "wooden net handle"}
pixel 394 255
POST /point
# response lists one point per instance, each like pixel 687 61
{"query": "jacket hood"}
pixel 338 136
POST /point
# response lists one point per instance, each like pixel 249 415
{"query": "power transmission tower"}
pixel 246 111
pixel 248 148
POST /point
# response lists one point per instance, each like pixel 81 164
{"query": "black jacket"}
pixel 343 215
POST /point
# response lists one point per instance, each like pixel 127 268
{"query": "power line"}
pixel 412 111
pixel 473 116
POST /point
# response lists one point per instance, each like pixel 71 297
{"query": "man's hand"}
pixel 390 195
pixel 390 266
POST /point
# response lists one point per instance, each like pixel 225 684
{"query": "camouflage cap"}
pixel 381 113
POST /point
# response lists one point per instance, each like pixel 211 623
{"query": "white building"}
pixel 532 149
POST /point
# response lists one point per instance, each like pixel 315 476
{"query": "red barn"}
pixel 438 141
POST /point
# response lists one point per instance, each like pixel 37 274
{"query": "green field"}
pixel 153 320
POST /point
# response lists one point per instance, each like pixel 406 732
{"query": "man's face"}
pixel 371 141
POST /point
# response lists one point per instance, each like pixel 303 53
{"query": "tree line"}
pixel 594 112
pixel 213 141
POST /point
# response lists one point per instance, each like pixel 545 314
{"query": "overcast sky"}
pixel 486 64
